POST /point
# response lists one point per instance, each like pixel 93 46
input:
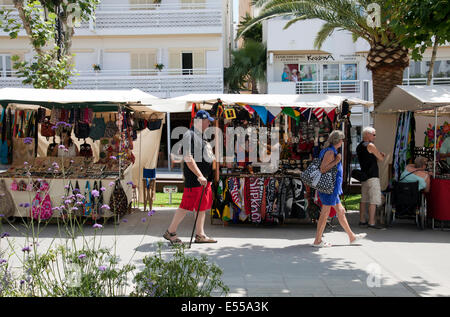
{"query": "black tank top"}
pixel 367 161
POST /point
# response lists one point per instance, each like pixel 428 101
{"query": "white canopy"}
pixel 415 98
pixel 270 100
pixel 134 97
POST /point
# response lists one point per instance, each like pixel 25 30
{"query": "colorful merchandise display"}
pixel 249 191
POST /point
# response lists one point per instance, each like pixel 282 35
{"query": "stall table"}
pixel 57 190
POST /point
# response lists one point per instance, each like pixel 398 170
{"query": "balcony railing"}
pixel 423 81
pixel 328 87
pixel 167 83
pixel 153 18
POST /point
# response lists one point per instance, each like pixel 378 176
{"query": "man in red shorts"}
pixel 197 172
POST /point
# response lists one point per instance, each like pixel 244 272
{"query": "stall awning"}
pixel 415 98
pixel 272 100
pixel 98 100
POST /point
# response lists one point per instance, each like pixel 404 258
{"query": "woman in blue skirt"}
pixel 330 158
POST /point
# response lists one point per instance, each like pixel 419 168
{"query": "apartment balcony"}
pixel 170 83
pixel 170 18
pixel 345 87
pixel 423 81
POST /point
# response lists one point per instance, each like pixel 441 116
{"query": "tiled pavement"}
pixel 279 261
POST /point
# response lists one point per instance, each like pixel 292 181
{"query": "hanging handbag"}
pixel 97 129
pixel 23 151
pixel 323 182
pixel 153 122
pixel 6 200
pixel 111 128
pixel 82 130
pixel 86 150
pixel 118 202
pixel 47 128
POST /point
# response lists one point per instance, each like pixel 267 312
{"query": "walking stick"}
pixel 196 217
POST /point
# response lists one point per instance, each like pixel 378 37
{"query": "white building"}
pixel 191 38
pixel 339 67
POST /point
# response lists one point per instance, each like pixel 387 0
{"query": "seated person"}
pixel 416 173
pixel 69 149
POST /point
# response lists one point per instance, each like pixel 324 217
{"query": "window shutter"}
pixel 175 59
pixel 134 63
pixel 199 61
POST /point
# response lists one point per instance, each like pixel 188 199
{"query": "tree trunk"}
pixel 18 4
pixel 387 63
pixel 433 59
pixel 384 79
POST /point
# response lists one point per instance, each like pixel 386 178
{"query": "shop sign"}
pixel 304 58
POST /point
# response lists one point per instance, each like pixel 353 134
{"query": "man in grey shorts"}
pixel 368 156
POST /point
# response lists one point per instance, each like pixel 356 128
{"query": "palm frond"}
pixel 326 30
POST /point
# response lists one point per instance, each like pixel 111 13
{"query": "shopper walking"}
pixel 368 156
pixel 197 172
pixel 331 158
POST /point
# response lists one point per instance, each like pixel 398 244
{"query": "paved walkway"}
pixel 279 261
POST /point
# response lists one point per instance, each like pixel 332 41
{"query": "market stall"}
pixel 413 121
pixel 108 131
pixel 252 189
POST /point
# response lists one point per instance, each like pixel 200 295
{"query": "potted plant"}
pixel 96 67
pixel 159 67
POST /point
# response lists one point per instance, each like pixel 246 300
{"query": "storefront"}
pixel 315 73
pixel 59 143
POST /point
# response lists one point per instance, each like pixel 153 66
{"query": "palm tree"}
pixel 387 57
pixel 248 64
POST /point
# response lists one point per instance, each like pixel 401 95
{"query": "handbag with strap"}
pixel 154 123
pixel 323 182
pixel 82 130
pixel 6 200
pixel 111 128
pixel 86 150
pixel 47 129
pixel 118 201
pixel 97 129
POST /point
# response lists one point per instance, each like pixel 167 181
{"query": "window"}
pixel 308 72
pixel 143 63
pixel 5 66
pixel 330 72
pixel 193 4
pixel 187 64
pixel 142 4
pixel 415 70
pixel 349 72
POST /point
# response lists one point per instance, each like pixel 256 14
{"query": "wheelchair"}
pixel 405 201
